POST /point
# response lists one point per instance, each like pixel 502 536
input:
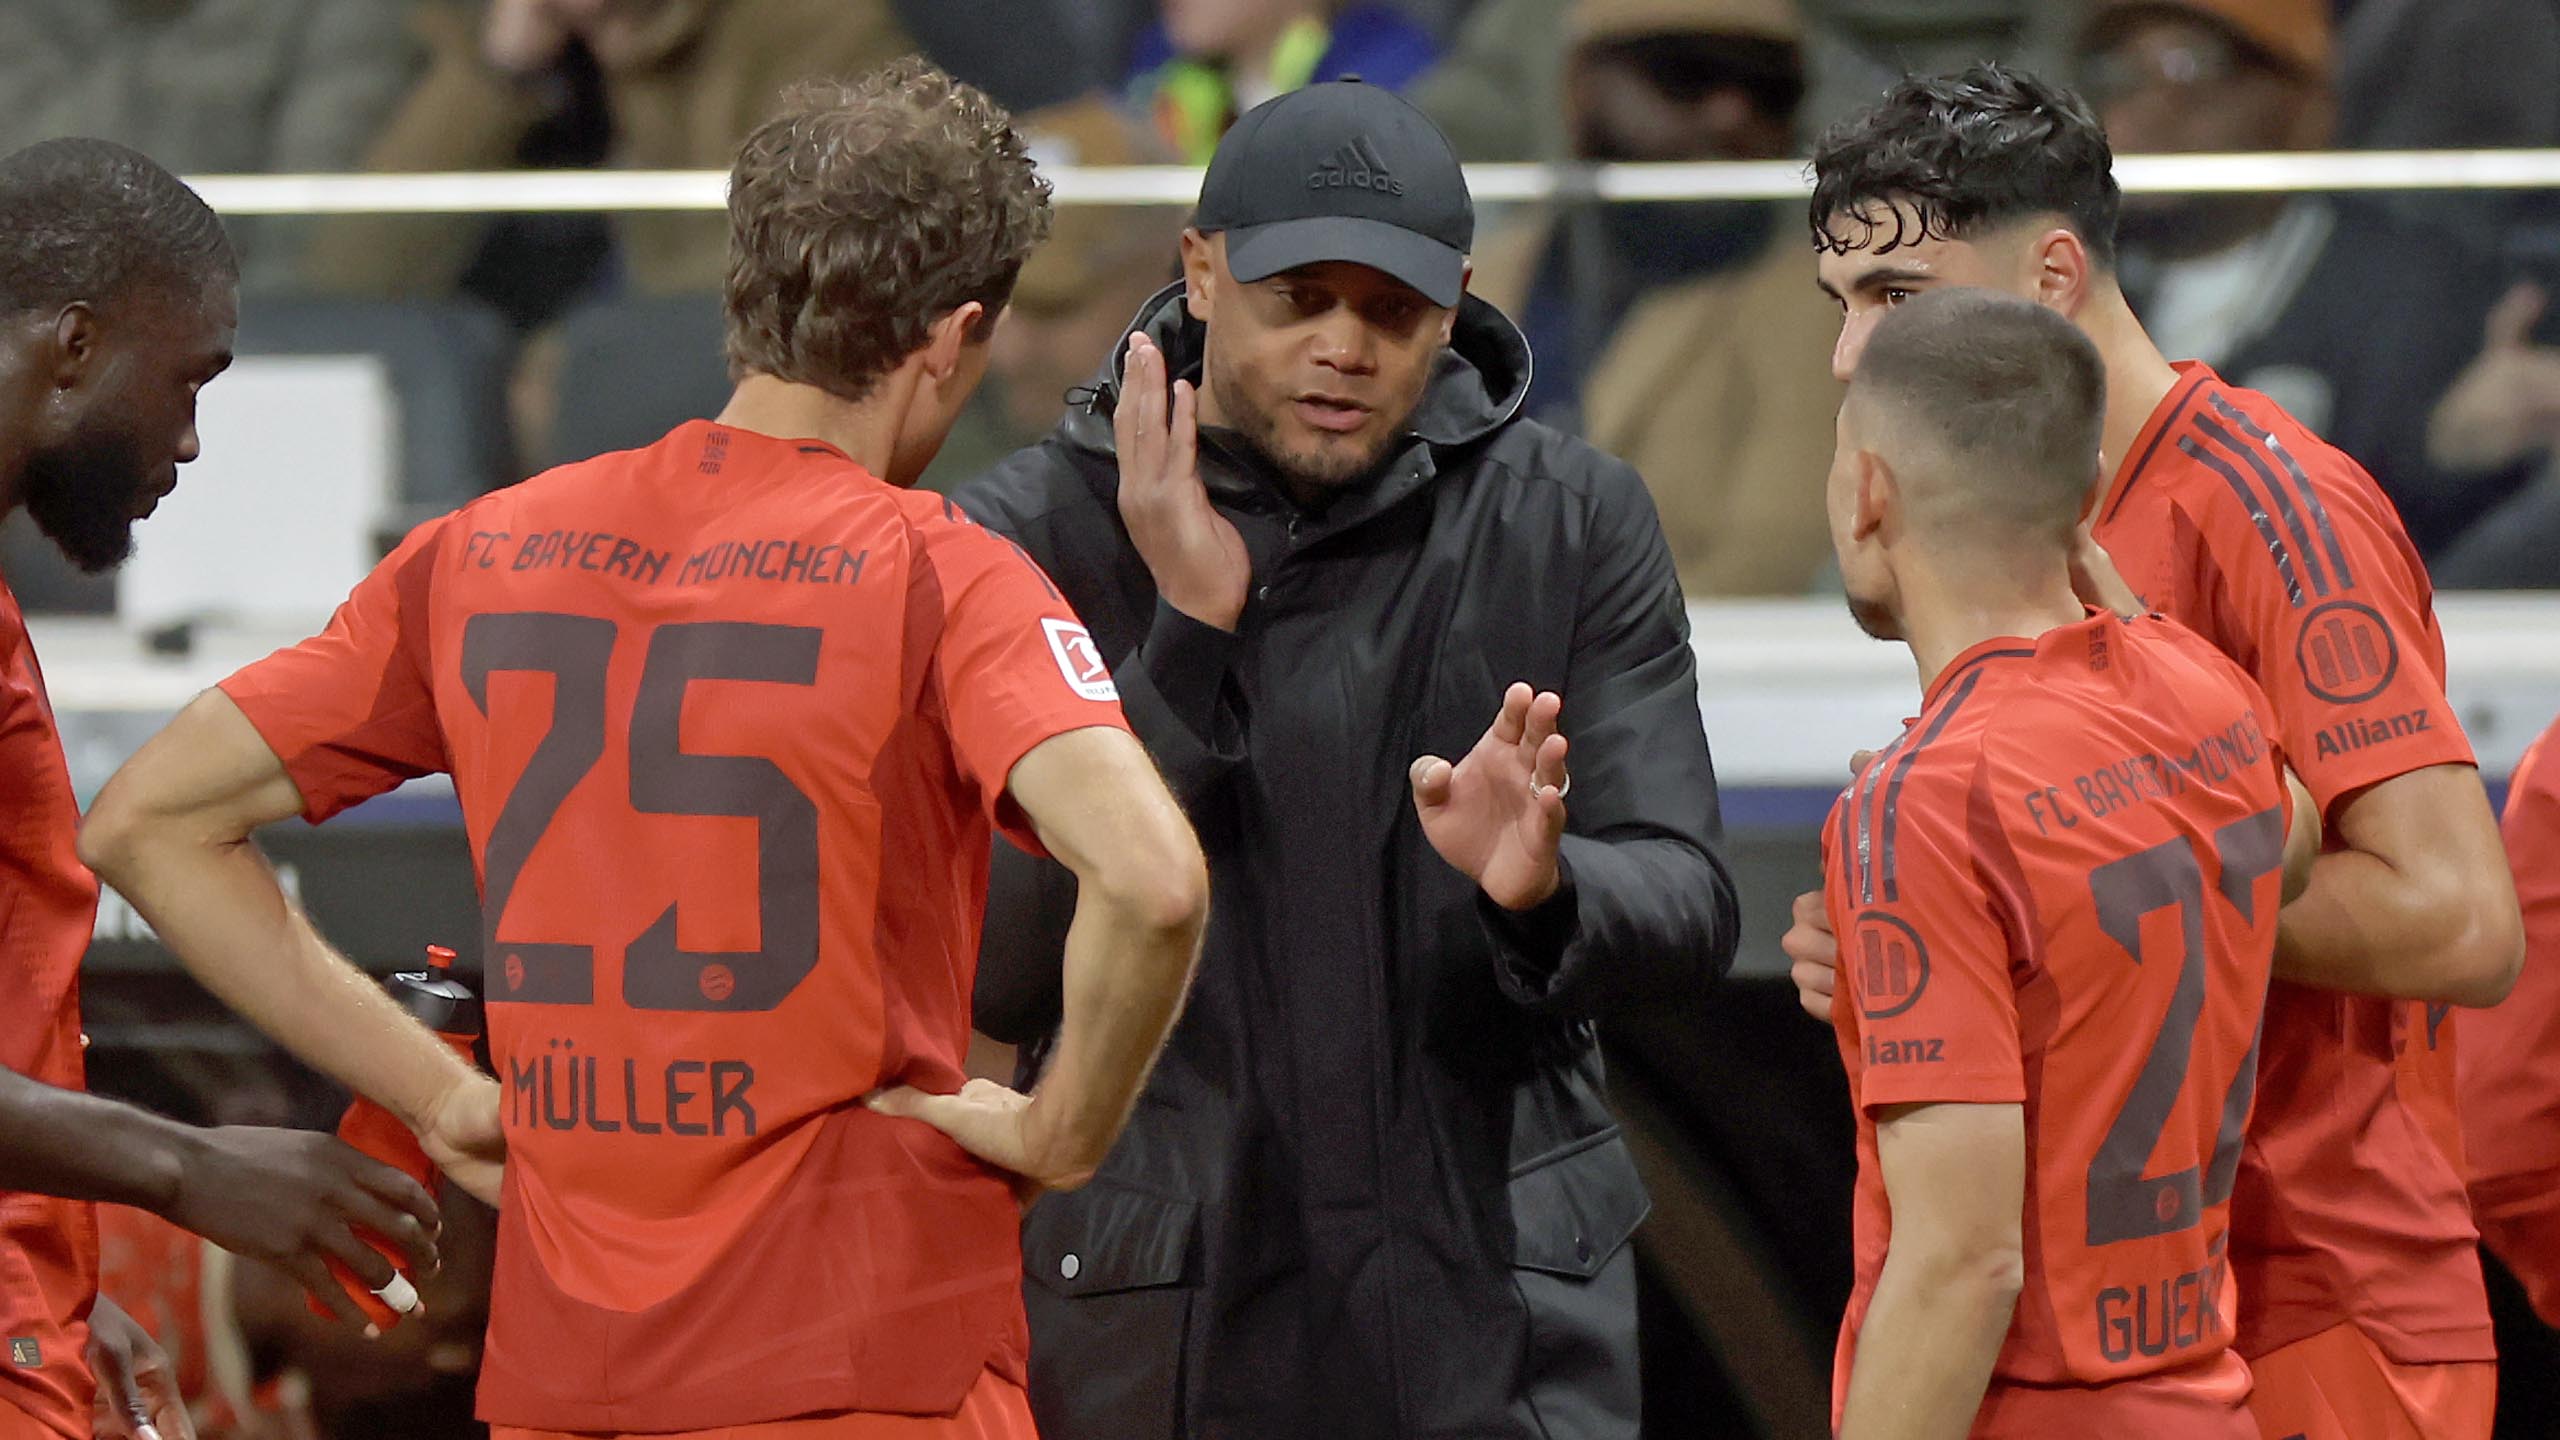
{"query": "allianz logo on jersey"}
pixel 1356 166
pixel 1079 659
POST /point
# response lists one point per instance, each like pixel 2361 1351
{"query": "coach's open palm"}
pixel 1197 558
pixel 1497 814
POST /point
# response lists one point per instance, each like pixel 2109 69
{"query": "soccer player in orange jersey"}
pixel 732 719
pixel 118 296
pixel 2510 1108
pixel 2362 1311
pixel 2059 889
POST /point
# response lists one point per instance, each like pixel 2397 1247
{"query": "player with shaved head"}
pixel 2057 898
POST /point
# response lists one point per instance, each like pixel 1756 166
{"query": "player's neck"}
pixel 866 430
pixel 1943 616
pixel 2139 377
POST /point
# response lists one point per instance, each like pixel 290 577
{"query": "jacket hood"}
pixel 1477 385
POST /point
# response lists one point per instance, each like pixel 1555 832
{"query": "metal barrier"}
pixel 567 190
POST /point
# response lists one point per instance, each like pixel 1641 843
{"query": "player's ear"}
pixel 2061 271
pixel 1878 492
pixel 77 345
pixel 950 335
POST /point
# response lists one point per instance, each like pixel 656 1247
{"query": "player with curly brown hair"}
pixel 732 719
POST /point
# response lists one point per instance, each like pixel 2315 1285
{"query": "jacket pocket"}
pixel 1574 1208
pixel 1109 1300
pixel 1573 1212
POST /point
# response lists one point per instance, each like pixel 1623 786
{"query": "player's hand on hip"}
pixel 1813 953
pixel 466 1140
pixel 296 1200
pixel 1197 558
pixel 995 1123
pixel 138 1395
pixel 2099 583
pixel 1498 812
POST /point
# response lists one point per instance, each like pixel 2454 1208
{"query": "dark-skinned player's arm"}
pixel 171 832
pixel 1957 1178
pixel 288 1197
pixel 1142 898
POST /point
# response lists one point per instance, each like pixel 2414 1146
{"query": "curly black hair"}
pixel 1979 148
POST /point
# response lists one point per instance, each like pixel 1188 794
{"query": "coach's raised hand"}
pixel 1497 813
pixel 1197 558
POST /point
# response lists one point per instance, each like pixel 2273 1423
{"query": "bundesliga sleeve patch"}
pixel 1079 660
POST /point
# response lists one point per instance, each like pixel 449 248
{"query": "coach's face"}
pixel 1891 261
pixel 1319 368
pixel 121 416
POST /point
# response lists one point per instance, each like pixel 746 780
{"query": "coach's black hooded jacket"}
pixel 1374 1188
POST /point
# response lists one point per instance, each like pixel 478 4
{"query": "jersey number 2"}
pixel 2124 1203
pixel 657 973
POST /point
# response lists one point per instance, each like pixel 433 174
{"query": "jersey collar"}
pixel 2194 378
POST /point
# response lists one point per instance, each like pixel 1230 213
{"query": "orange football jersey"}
pixel 2510 1107
pixel 2059 889
pixel 48 1247
pixel 2235 521
pixel 730 721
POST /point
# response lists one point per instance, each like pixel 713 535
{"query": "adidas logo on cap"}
pixel 1356 166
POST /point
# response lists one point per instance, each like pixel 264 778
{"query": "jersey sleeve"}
pixel 2336 620
pixel 1928 1001
pixel 1013 664
pixel 351 711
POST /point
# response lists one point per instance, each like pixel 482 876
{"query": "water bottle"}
pixel 446 1006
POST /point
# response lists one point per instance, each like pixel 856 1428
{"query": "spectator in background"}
pixel 2353 318
pixel 1495 94
pixel 210 86
pixel 684 80
pixel 2504 411
pixel 2448 74
pixel 1680 335
pixel 1855 50
pixel 1076 297
pixel 1208 61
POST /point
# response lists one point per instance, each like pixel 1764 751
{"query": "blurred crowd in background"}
pixel 1686 336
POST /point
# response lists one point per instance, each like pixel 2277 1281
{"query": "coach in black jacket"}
pixel 1374 1188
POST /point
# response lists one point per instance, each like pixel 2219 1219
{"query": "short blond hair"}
pixel 860 214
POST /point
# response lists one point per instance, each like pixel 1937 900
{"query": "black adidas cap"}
pixel 1341 171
